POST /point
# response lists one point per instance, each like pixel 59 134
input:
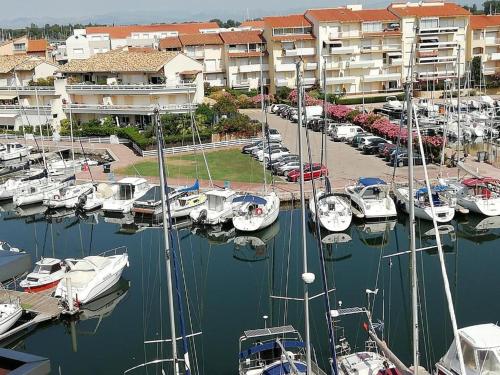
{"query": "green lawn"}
pixel 225 165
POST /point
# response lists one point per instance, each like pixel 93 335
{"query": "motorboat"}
pixel 480 346
pixel 10 312
pixel 97 197
pixel 334 211
pixel 274 350
pixel 443 202
pixel 14 151
pixel 218 208
pixel 255 212
pixel 91 276
pixel 36 194
pixel 68 197
pixel 46 274
pixel 371 197
pixel 103 306
pixel 12 185
pixel 61 166
pixel 129 190
pixel 479 195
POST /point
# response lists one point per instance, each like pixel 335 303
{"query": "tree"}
pixel 476 70
pixel 225 106
pixel 231 23
pixel 217 21
pixel 491 6
pixel 283 92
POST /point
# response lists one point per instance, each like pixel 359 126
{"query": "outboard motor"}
pixel 82 200
pixel 202 217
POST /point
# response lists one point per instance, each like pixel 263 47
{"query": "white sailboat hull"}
pixel 443 213
pixel 487 207
pixel 252 223
pixel 10 314
pixel 334 213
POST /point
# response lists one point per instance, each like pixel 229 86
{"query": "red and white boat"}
pixel 47 274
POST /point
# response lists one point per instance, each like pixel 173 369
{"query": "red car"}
pixel 318 171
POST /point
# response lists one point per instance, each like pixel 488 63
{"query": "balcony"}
pixel 281 82
pixel 426 76
pixel 310 66
pixel 437 30
pixel 436 45
pixel 309 81
pixel 335 65
pixel 382 77
pixel 217 82
pixel 28 90
pixel 240 84
pixel 253 68
pixel 285 67
pixel 488 71
pixel 364 64
pixel 213 69
pixel 300 52
pixel 437 60
pixel 398 61
pixel 341 80
pixel 196 54
pixel 127 109
pixel 494 56
pixel 30 110
pixel 344 50
pixel 491 41
pixel 168 88
pixel 345 34
pixel 380 48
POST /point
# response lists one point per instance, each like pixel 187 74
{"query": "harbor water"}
pixel 233 280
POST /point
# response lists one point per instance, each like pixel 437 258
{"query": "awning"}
pixel 8 119
pixel 250 199
pixel 370 181
pixel 7 97
pixel 189 72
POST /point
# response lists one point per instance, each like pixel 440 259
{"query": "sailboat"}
pixel 34 194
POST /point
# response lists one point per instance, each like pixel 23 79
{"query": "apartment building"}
pixel 25 46
pixel 434 35
pixel 245 56
pixel 22 100
pixel 128 85
pixel 290 39
pixel 208 48
pixel 85 43
pixel 361 50
pixel 484 42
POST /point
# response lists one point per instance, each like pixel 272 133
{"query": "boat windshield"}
pixel 43 269
pixel 374 192
pixel 126 192
pixel 215 203
pixel 489 361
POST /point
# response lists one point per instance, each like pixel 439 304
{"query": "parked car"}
pixel 281 161
pixel 402 159
pixel 248 149
pixel 386 148
pixel 390 155
pixel 274 154
pixel 287 167
pixel 355 140
pixel 274 135
pixel 281 108
pixel 266 148
pixel 363 141
pixel 311 122
pixel 321 124
pixel 372 146
pixel 346 132
pixel 310 172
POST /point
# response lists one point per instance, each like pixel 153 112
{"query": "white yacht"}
pixel 12 185
pixel 61 166
pixel 479 195
pixel 371 197
pixel 444 203
pixel 46 274
pixel 129 190
pixel 334 211
pixel 255 212
pixel 91 276
pixel 14 151
pixel 10 313
pixel 480 349
pixel 218 209
pixel 35 194
pixel 68 197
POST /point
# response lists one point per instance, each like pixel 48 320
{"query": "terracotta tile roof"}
pixel 292 38
pixel 246 54
pixel 292 20
pixel 254 24
pixel 483 21
pixel 19 62
pixel 140 49
pixel 429 10
pixel 200 39
pixel 120 61
pixel 122 32
pixel 242 37
pixel 344 14
pixel 169 43
pixel 37 45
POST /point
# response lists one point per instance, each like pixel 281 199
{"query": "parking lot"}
pixel 346 163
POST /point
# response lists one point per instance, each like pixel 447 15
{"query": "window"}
pixel 372 27
pixel 429 23
pixel 19 46
pixel 468 354
pixel 489 363
pixel 78 51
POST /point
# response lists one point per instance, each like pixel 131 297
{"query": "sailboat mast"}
pixel 459 109
pixel 263 121
pixel 411 211
pixel 41 130
pixel 303 214
pixel 166 238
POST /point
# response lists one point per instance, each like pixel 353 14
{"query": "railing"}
pixel 300 52
pixel 39 89
pixel 253 68
pixel 437 30
pixel 494 56
pixel 364 64
pixel 139 87
pixel 342 50
pixel 434 45
pixel 345 34
pixel 24 107
pixel 310 66
pixel 105 140
pixel 203 146
pixel 437 60
pixel 491 41
pixel 285 67
pixel 91 108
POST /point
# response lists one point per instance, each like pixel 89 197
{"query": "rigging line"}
pixel 424 336
pixel 430 355
pixel 160 300
pixel 329 320
pixel 285 310
pixel 81 239
pixel 85 160
pixel 204 156
pixel 143 299
pixel 191 119
pixel 52 239
pixel 45 239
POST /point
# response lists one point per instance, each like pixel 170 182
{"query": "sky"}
pixel 145 11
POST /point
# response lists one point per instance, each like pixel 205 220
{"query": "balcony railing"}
pixel 196 54
pixel 437 30
pixel 300 52
pixel 491 41
pixel 253 68
pixel 127 109
pixel 437 45
pixel 494 56
pixel 28 90
pixel 382 77
pixel 437 60
pixel 437 74
pixel 341 80
pixel 285 67
pixel 30 109
pixel 344 50
pixel 310 66
pixel 281 82
pixel 345 34
pixel 131 89
pixel 364 64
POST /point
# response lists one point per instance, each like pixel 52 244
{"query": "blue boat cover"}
pixel 270 345
pixel 250 199
pixel 195 187
pixel 284 368
pixel 369 181
pixel 435 189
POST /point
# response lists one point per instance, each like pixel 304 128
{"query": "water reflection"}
pixel 215 235
pixel 252 247
pixel 479 229
pixel 375 234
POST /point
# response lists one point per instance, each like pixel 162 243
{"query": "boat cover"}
pixel 435 189
pixel 471 182
pixel 271 345
pixel 370 181
pixel 195 187
pixel 13 264
pixel 284 368
pixel 23 363
pixel 249 199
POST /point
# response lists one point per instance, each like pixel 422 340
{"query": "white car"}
pixel 274 135
pixel 275 154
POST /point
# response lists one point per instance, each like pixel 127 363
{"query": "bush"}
pixel 226 105
pixel 135 136
pixel 205 114
pixel 47 81
pixel 282 93
pixel 243 101
pixel 238 124
pixel 170 140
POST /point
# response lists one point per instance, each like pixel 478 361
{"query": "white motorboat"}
pixel 182 206
pixel 129 190
pixel 444 205
pixel 479 195
pixel 334 211
pixel 255 212
pixel 480 346
pixel 218 209
pixel 9 314
pixel 68 197
pixel 371 197
pixel 97 197
pixel 14 151
pixel 36 194
pixel 13 185
pixel 61 166
pixel 91 276
pixel 46 274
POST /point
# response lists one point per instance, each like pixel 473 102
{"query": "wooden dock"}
pixel 41 305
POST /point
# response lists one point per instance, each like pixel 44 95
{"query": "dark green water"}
pixel 230 283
